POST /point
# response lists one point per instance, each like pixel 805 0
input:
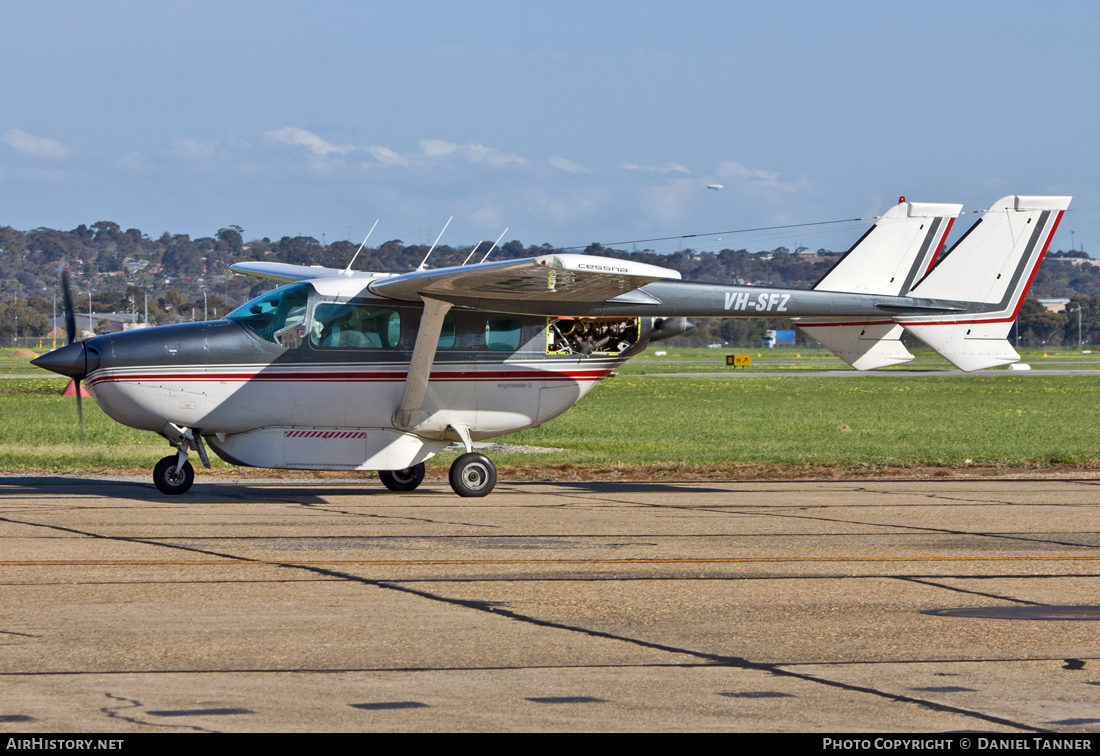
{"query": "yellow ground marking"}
pixel 416 562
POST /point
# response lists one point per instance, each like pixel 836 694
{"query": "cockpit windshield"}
pixel 275 316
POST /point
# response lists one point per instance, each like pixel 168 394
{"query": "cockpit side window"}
pixel 276 316
pixel 502 334
pixel 350 326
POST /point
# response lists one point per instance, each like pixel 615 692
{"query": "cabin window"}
pixel 502 334
pixel 348 326
pixel 447 332
pixel 275 316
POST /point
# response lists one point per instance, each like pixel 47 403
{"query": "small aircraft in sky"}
pixel 715 187
pixel 343 370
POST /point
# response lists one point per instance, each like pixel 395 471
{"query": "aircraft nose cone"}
pixel 68 360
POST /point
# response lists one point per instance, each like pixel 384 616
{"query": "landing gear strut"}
pixel 174 475
pixel 473 474
pixel 403 480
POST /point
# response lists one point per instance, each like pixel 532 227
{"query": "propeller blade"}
pixel 70 316
pixel 80 409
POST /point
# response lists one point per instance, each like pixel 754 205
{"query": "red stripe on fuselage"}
pixel 854 323
pixel 348 377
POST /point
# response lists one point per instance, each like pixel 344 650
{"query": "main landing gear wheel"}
pixel 403 480
pixel 170 480
pixel 473 474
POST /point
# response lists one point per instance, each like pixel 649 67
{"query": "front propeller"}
pixel 73 358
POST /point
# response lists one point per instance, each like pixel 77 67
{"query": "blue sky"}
pixel 569 122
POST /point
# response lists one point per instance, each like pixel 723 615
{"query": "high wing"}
pixel 590 286
pixel 585 285
pixel 549 278
pixel 549 282
pixel 288 273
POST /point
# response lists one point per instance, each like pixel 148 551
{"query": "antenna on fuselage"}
pixel 347 270
pixel 502 233
pixel 471 253
pixel 421 266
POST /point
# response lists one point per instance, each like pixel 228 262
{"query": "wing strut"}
pixel 409 413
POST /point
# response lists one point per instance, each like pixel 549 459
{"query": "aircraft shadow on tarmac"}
pixel 141 490
pixel 204 492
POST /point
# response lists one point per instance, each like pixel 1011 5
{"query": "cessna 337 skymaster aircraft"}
pixel 342 370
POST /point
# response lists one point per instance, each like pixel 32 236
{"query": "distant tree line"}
pixel 127 270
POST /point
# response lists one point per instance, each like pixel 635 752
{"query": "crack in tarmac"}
pixel 964 590
pixel 113 713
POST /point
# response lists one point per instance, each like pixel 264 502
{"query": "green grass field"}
pixel 693 424
pixel 797 360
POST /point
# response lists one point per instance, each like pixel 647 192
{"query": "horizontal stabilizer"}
pixel 864 347
pixel 964 352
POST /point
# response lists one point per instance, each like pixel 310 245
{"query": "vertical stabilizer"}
pixel 991 267
pixel 894 253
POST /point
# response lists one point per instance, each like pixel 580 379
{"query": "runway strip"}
pixel 371 611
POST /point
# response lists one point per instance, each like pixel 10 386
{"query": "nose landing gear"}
pixel 174 475
pixel 171 478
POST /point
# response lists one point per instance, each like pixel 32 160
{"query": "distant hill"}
pixel 168 274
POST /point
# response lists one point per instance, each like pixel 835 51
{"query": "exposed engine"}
pixel 592 335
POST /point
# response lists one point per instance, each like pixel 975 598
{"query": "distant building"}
pixel 1055 305
pixel 120 321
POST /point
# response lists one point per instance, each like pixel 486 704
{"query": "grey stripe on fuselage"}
pixel 705 300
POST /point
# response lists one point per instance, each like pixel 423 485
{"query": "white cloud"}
pixel 568 165
pixel 666 168
pixel 386 156
pixel 21 141
pixel 318 146
pixel 479 153
pixel 437 147
pixel 430 148
pixel 303 138
pixel 475 153
pixel 757 177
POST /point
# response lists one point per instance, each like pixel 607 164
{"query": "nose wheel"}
pixel 171 478
pixel 473 474
pixel 402 480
